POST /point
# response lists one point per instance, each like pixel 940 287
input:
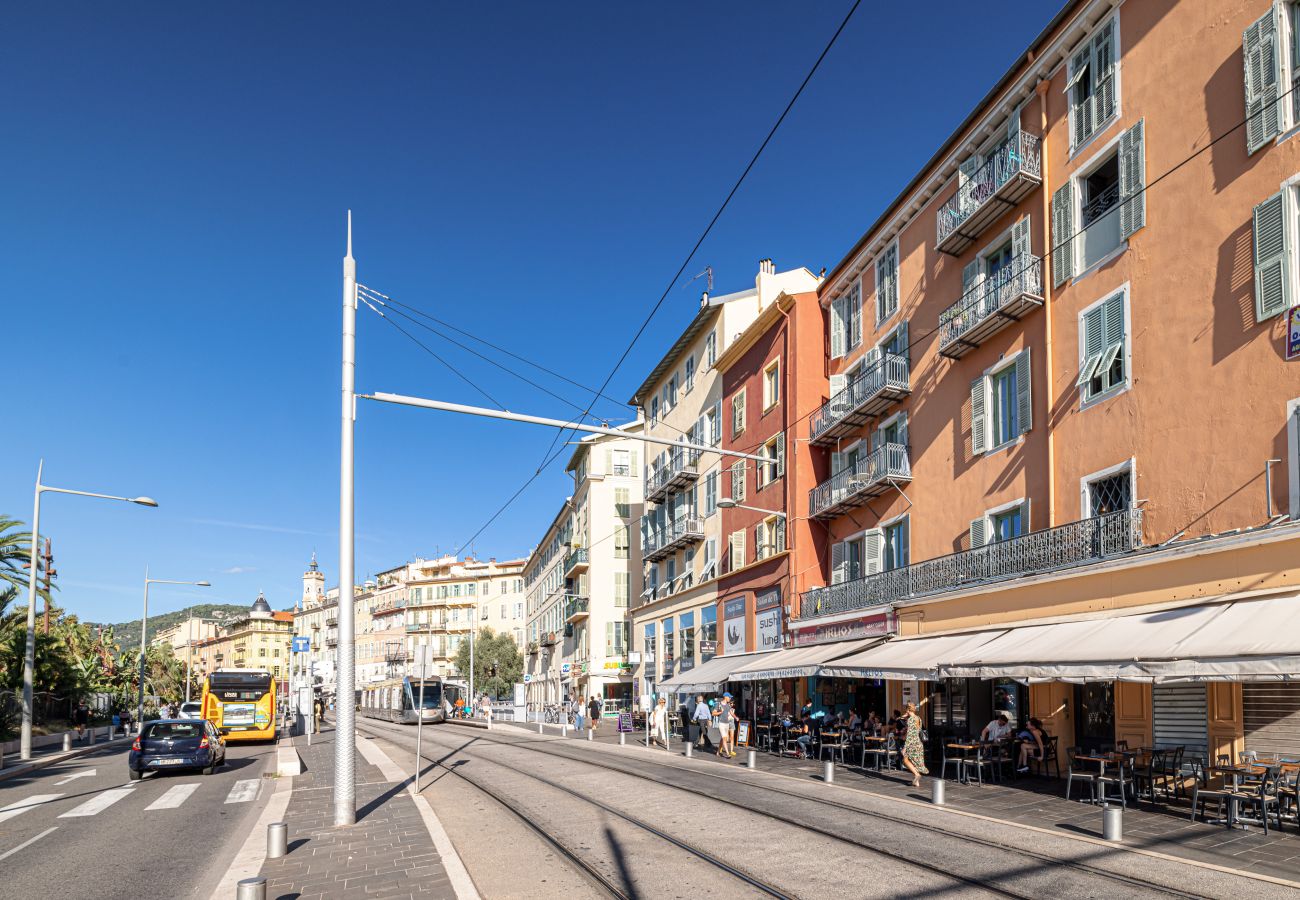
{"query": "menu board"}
pixel 742 734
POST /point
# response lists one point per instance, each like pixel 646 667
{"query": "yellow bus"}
pixel 241 704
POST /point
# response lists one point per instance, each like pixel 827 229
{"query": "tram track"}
pixel 582 757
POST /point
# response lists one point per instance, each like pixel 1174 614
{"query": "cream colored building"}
pixel 258 640
pixel 681 529
pixel 187 631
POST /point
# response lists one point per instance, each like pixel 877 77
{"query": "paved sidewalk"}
pixel 388 853
pixel 49 755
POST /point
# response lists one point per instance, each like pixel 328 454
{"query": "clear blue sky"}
pixel 175 179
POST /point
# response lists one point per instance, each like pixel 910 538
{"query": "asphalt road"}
pixel 82 829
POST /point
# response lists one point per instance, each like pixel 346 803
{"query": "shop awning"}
pixel 1239 640
pixel 707 677
pixel 798 662
pixel 907 659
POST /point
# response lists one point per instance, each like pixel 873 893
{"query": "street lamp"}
pixel 728 503
pixel 144 637
pixel 29 658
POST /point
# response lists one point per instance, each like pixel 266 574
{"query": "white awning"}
pixel 707 677
pixel 798 662
pixel 1240 640
pixel 907 659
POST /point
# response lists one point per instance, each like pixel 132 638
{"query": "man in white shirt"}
pixel 996 730
pixel 703 719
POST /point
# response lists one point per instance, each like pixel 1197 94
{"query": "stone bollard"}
pixel 277 840
pixel 251 889
pixel 751 758
pixel 67 740
pixel 1112 822
pixel 828 771
pixel 937 786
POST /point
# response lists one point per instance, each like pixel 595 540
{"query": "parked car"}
pixel 176 744
pixel 191 710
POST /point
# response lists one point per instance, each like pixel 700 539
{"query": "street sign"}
pixel 528 679
pixel 301 644
pixel 1293 333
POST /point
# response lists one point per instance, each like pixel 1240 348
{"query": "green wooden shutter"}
pixel 1021 245
pixel 904 346
pixel 837 327
pixel 1260 58
pixel 1024 517
pixel 1103 73
pixel 1024 403
pixel 970 276
pixel 873 543
pixel 853 317
pixel 837 563
pixel 978 423
pixel 1062 234
pixel 1094 344
pixel 1272 253
pixel 1132 180
pixel 978 532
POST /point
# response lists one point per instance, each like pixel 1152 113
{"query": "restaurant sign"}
pixel 733 626
pixel 768 626
pixel 878 625
pixel 766 599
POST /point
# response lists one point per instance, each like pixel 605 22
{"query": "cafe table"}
pixel 1112 758
pixel 1237 772
pixel 966 748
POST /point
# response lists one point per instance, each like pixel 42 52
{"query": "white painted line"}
pixel 379 759
pixel 27 843
pixel 17 809
pixel 248 861
pixel 244 790
pixel 96 805
pixel 80 773
pixel 174 797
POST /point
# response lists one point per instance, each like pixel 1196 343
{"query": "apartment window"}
pixel 261 651
pixel 852 559
pixel 710 559
pixel 690 372
pixel 1273 227
pixel 769 537
pixel 1001 524
pixel 670 572
pixel 772 385
pixel 615 638
pixel 897 552
pixel 708 632
pixel 1109 492
pixel 710 493
pixel 621 462
pixel 667 626
pixel 738 413
pixel 622 503
pixel 686 631
pixel 519 610
pixel 736 544
pixel 771 471
pixel 1091 85
pixel 887 284
pixel 1103 348
pixel 1001 404
pixel 620 542
pixel 654 410
pixel 713 419
pixel 1095 211
pixel 505 610
pixel 621 582
pixel 711 349
pixel 846 321
pixel 672 393
pixel 470 590
pixel 738 481
pixel 648 640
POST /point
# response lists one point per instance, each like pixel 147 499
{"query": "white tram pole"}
pixel 345 791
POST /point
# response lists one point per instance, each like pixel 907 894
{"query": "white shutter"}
pixel 1063 234
pixel 1021 245
pixel 902 431
pixel 966 170
pixel 853 316
pixel 838 562
pixel 780 454
pixel 1024 401
pixel 837 328
pixel 609 461
pixel 904 346
pixel 1103 73
pixel 1132 180
pixel 978 421
pixel 1024 517
pixel 970 276
pixel 873 543
pixel 838 383
pixel 1013 130
pixel 978 532
pixel 1259 53
pixel 837 462
pixel 1272 258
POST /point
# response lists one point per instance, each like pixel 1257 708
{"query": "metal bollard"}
pixel 751 758
pixel 91 732
pixel 622 738
pixel 688 749
pixel 539 728
pixel 937 788
pixel 2 757
pixel 564 731
pixel 67 740
pixel 1112 822
pixel 277 840
pixel 591 735
pixel 828 771
pixel 251 889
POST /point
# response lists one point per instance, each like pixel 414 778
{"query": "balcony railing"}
pixel 870 393
pixel 1011 171
pixel 332 641
pixel 415 627
pixel 549 638
pixel 575 609
pixel 675 469
pixel 681 532
pixel 1062 547
pixel 332 622
pixel 576 562
pixel 872 475
pixel 993 304
pixel 532 648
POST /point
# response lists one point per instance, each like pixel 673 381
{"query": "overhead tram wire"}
pixel 689 256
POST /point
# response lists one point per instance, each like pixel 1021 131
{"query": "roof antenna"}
pixel 707 273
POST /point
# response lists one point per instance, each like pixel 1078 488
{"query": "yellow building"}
pixel 259 640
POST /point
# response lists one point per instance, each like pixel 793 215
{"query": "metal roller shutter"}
pixel 1178 717
pixel 1272 718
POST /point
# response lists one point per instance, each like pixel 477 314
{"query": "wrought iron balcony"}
pixel 532 648
pixel 575 609
pixel 870 393
pixel 677 468
pixel 549 638
pixel 576 562
pixel 1012 170
pixel 332 641
pixel 993 304
pixel 416 627
pixel 1062 547
pixel 873 474
pixel 681 532
pixel 332 621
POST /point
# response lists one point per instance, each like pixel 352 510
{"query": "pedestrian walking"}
pixel 913 748
pixel 593 712
pixel 659 722
pixel 703 719
pixel 726 719
pixel 80 719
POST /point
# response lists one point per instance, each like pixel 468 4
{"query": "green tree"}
pixel 492 653
pixel 15 554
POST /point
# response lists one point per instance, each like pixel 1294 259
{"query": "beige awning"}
pixel 907 659
pixel 707 677
pixel 798 662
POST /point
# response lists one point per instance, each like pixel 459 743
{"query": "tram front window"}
pixel 432 695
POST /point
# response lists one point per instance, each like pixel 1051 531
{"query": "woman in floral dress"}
pixel 913 750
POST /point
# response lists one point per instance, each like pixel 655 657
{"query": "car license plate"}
pixel 168 762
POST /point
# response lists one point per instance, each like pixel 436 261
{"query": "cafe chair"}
pixel 1202 794
pixel 957 762
pixel 1263 797
pixel 1050 757
pixel 833 741
pixel 1151 778
pixel 1118 775
pixel 1079 771
pixel 985 758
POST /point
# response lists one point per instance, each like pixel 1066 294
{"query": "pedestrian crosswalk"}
pixel 243 791
pixel 97 804
pixel 173 796
pixel 22 806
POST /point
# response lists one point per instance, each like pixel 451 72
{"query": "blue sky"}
pixel 174 190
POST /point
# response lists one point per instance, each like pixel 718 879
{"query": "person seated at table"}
pixel 855 721
pixel 873 725
pixel 1031 746
pixel 997 730
pixel 803 743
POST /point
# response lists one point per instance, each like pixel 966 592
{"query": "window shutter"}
pixel 1272 249
pixel 1021 246
pixel 1103 54
pixel 780 454
pixel 609 461
pixel 837 328
pixel 978 426
pixel 1132 180
pixel 853 317
pixel 1024 403
pixel 1062 237
pixel 1260 57
pixel 904 347
pixel 970 276
pixel 838 383
pixel 1094 344
pixel 780 533
pixel 966 170
pixel 1024 517
pixel 837 462
pixel 1013 130
pixel 902 431
pixel 837 563
pixel 1082 111
pixel 632 460
pixel 873 543
pixel 978 532
pixel 1115 319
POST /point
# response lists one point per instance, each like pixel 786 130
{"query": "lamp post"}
pixel 144 638
pixel 29 657
pixel 728 503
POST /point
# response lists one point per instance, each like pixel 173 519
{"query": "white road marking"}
pixel 27 843
pixel 96 805
pixel 17 809
pixel 80 773
pixel 174 797
pixel 243 791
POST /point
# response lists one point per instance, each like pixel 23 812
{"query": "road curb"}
pixel 24 768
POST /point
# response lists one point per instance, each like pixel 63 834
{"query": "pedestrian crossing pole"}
pixel 345 801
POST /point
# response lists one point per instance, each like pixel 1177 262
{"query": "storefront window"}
pixel 949 706
pixel 708 633
pixel 686 628
pixel 1009 697
pixel 667 669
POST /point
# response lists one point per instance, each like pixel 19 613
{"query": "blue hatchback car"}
pixel 176 744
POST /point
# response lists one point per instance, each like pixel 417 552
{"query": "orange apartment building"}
pixel 1057 453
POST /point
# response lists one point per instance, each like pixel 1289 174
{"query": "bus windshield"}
pixel 239 685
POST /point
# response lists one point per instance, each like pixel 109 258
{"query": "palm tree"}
pixel 15 554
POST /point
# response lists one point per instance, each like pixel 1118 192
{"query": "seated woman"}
pixel 872 725
pixel 855 721
pixel 1032 744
